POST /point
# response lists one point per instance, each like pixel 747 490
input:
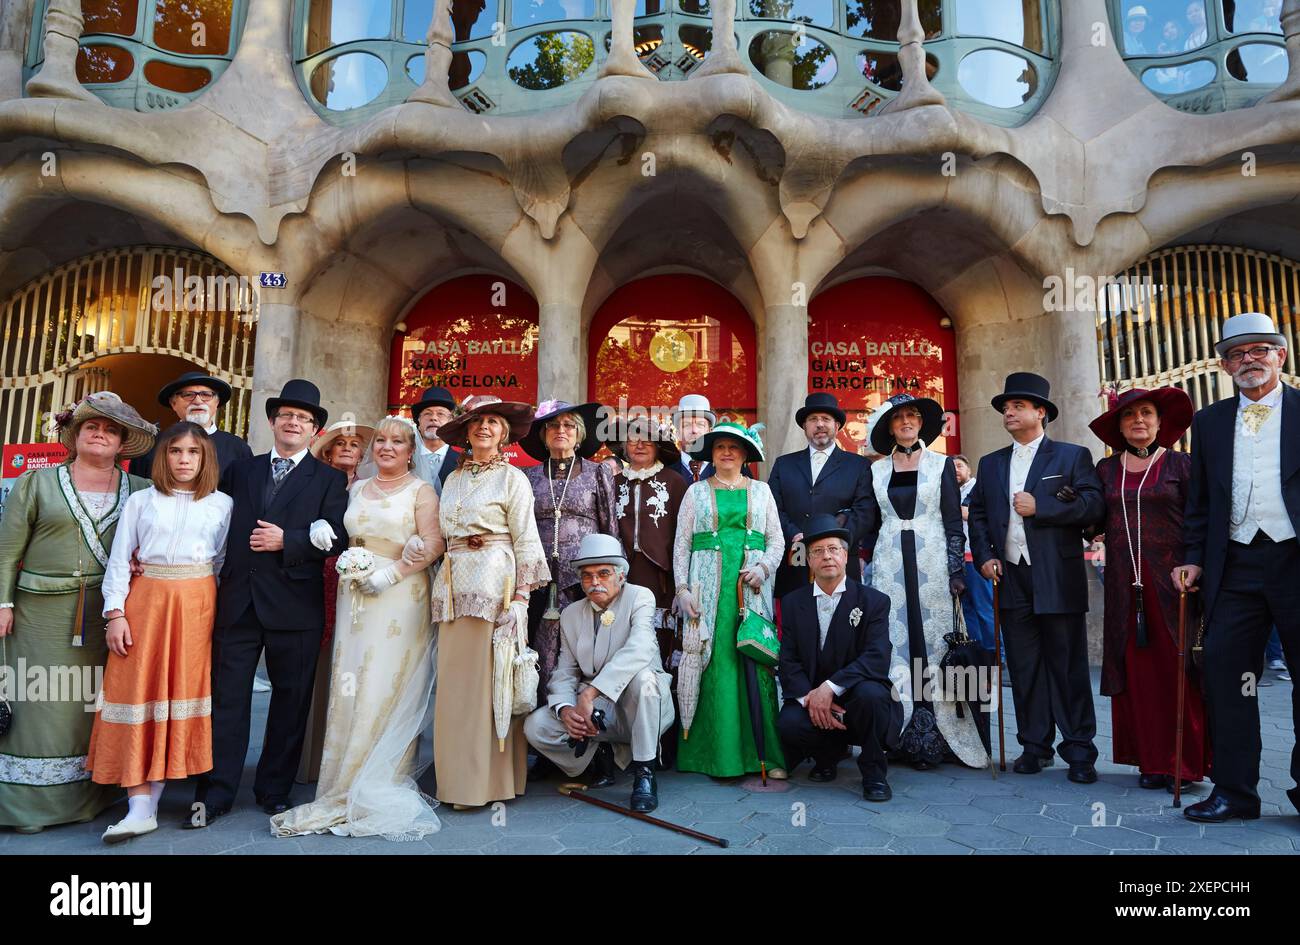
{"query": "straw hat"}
pixel 321 445
pixel 137 433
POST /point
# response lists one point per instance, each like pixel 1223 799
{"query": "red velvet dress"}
pixel 1143 680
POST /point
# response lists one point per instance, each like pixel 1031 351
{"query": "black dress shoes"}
pixel 1217 809
pixel 1184 787
pixel 204 817
pixel 1152 782
pixel 602 767
pixel 1029 763
pixel 876 791
pixel 1082 772
pixel 823 771
pixel 1293 794
pixel 645 792
pixel 275 807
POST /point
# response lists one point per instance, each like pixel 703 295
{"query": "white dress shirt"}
pixel 1022 457
pixel 965 493
pixel 819 464
pixel 826 605
pixel 165 529
pixel 296 458
pixel 1257 502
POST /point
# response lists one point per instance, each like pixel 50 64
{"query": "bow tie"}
pixel 1254 415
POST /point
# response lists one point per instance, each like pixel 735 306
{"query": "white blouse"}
pixel 165 529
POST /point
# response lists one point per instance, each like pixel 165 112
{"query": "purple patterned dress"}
pixel 585 508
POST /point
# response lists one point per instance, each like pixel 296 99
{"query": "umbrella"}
pixel 694 659
pixel 503 687
pixel 756 714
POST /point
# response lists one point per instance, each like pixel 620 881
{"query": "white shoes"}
pixel 126 829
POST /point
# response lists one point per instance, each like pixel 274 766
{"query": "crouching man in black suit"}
pixel 836 666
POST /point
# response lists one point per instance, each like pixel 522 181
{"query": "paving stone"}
pixel 738 835
pixel 912 825
pixel 1202 846
pixel 1034 825
pixel 770 824
pixel 1245 837
pixel 986 837
pixel 928 845
pixel 1166 826
pixel 1116 838
pixel 1009 805
pixel 1067 845
pixel 856 835
pixel 600 836
pixel 514 846
pixel 961 813
pixel 804 843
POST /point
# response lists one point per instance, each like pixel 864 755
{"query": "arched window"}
pixel 1203 55
pixel 149 55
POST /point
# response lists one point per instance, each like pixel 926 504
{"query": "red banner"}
pixel 872 338
pixel 20 457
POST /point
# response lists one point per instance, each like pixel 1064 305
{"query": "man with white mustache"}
pixel 1240 528
pixel 196 397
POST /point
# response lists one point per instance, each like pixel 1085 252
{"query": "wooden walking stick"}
pixel 576 791
pixel 1182 688
pixel 997 652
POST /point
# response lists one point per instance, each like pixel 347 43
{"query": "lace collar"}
pixel 640 475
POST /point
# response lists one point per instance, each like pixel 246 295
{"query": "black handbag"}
pixel 962 654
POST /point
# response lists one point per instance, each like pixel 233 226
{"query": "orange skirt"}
pixel 153 718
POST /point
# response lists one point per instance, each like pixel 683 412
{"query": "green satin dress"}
pixel 721 740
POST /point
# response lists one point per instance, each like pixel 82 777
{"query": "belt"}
pixel 475 542
pixel 380 546
pixel 712 541
pixel 178 572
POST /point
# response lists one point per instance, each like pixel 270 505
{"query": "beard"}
pixel 200 415
pixel 1251 376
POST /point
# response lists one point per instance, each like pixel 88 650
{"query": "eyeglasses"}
pixel 1257 353
pixel 826 552
pixel 567 425
pixel 604 574
pixel 296 417
pixel 192 395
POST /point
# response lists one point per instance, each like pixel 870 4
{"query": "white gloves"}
pixel 754 576
pixel 378 581
pixel 513 622
pixel 322 535
pixel 687 603
pixel 413 551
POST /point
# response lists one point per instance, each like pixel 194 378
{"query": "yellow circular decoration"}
pixel 672 350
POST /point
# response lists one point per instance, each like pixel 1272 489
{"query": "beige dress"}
pixel 380 680
pixel 492 551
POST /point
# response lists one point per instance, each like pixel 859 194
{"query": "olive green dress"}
pixel 52 683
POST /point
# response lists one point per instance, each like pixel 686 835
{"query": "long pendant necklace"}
pixel 552 611
pixel 1135 554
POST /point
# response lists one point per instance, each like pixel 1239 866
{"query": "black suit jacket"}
pixel 1209 493
pixel 844 485
pixel 287 587
pixel 851 654
pixel 1054 533
pixel 228 446
pixel 449 462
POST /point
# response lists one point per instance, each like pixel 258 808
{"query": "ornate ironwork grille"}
pixel 1158 323
pixel 125 301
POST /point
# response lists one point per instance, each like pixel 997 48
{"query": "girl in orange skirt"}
pixel 153 717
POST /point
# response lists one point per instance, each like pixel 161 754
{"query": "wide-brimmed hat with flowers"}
pixel 137 433
pixel 534 442
pixel 748 436
pixel 516 415
pixel 321 445
pixel 657 432
pixel 1172 404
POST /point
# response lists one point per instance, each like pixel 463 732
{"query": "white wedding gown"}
pixel 381 683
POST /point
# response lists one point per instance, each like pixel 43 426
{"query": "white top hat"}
pixel 1246 328
pixel 693 403
pixel 598 548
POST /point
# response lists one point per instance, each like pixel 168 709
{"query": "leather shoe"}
pixel 1294 795
pixel 876 791
pixel 1029 763
pixel 823 771
pixel 602 767
pixel 197 822
pixel 1152 782
pixel 1184 788
pixel 541 769
pixel 275 807
pixel 1216 809
pixel 645 792
pixel 1083 772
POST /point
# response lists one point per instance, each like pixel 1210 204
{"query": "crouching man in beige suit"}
pixel 609 661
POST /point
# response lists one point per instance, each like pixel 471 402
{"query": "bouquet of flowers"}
pixel 353 565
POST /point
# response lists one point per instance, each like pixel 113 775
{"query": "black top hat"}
pixel 302 394
pixel 534 444
pixel 819 403
pixel 1023 385
pixel 823 526
pixel 882 437
pixel 434 396
pixel 192 378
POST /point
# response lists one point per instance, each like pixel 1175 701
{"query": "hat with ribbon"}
pixel 320 446
pixel 534 442
pixel 1172 404
pixel 693 404
pixel 882 437
pixel 516 415
pixel 599 548
pixel 748 437
pixel 1247 328
pixel 657 432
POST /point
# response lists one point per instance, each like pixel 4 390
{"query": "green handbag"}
pixel 756 636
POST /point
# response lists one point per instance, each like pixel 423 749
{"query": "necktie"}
pixel 280 467
pixel 825 610
pixel 818 461
pixel 695 468
pixel 1253 417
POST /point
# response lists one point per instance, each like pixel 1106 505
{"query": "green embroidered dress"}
pixel 47 535
pixel 720 740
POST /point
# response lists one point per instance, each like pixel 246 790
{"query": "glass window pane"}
pixel 650 7
pixel 416 17
pixel 645 39
pixel 415 70
pixel 1253 16
pixel 466 67
pixel 1184 78
pixel 820 12
pixel 349 81
pixel 698 7
pixel 779 56
pixel 329 23
pixel 110 16
pixel 879 19
pixel 176 78
pixel 1263 62
pixel 196 27
pixel 696 40
pixel 527 12
pixel 1013 21
pixel 472 19
pixel 99 64
pixel 548 60
pixel 998 78
pixel 882 69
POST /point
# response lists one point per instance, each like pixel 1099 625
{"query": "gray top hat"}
pixel 600 549
pixel 1246 328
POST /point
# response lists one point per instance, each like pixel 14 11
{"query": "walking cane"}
pixel 575 791
pixel 997 652
pixel 1182 688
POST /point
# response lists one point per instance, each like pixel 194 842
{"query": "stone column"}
pixel 1291 30
pixel 785 377
pixel 274 362
pixel 58 76
pixel 437 60
pixel 622 59
pixel 561 371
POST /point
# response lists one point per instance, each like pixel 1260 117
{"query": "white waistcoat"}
pixel 1257 482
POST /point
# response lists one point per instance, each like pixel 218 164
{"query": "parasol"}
pixel 508 655
pixel 697 648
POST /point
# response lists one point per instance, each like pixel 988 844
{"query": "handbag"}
pixel 962 654
pixel 524 675
pixel 756 636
